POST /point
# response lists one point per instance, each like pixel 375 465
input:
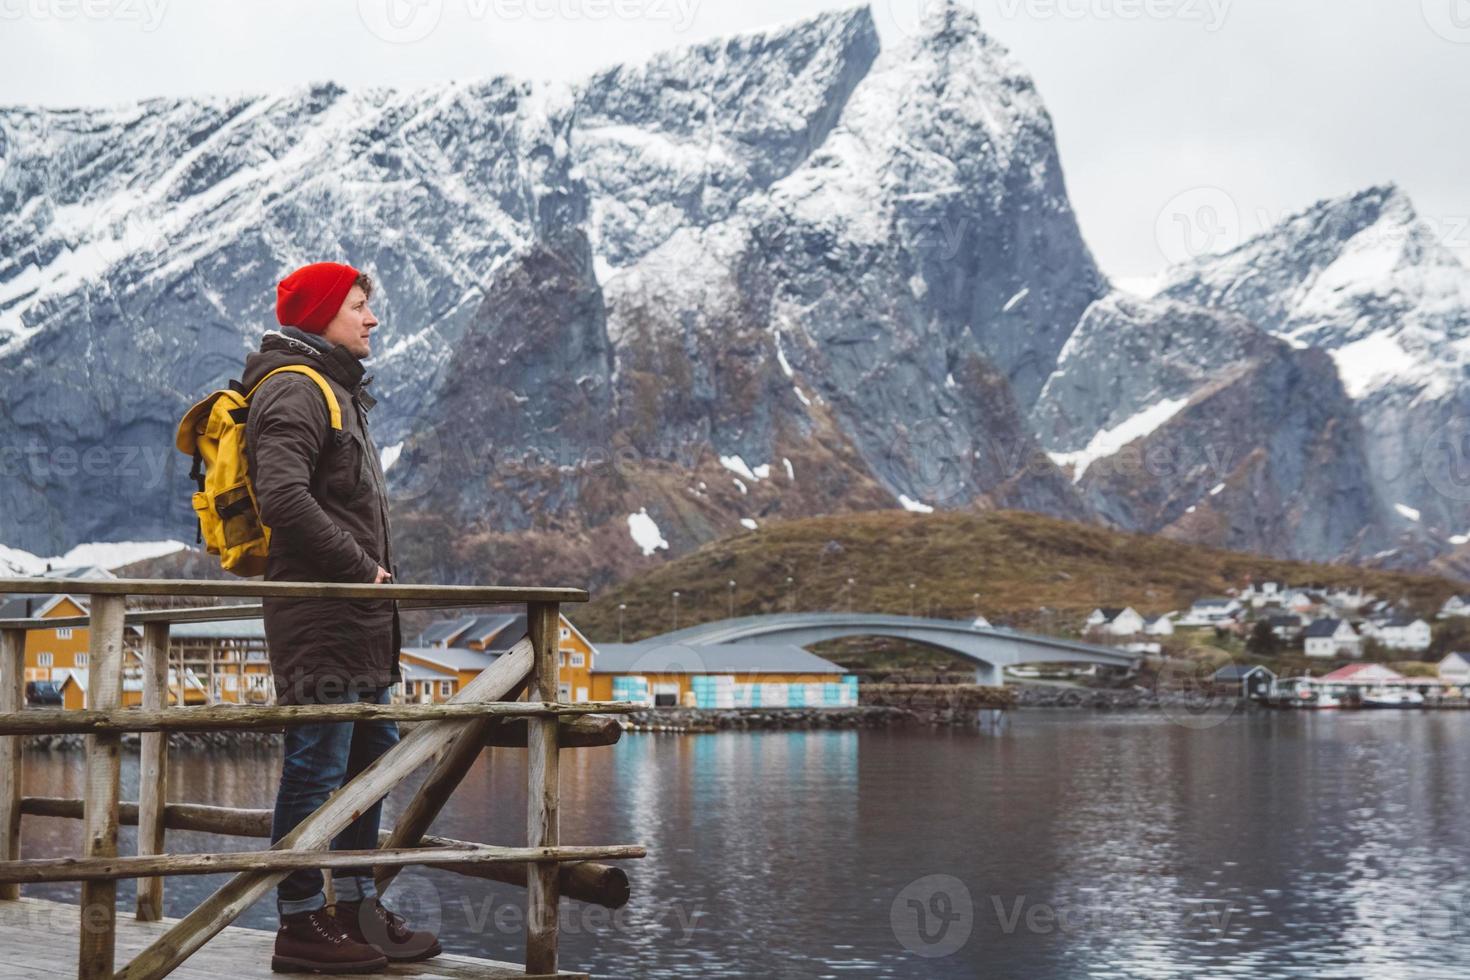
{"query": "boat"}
pixel 1304 694
pixel 1391 697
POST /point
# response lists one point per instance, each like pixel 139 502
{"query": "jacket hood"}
pixel 278 349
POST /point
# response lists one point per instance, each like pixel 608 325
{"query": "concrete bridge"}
pixel 989 648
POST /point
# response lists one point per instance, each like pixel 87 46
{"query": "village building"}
pixel 1455 669
pixel 1211 611
pixel 720 675
pixel 1455 605
pixel 1245 680
pixel 1160 625
pixel 1332 638
pixel 1114 621
pixel 462 647
pixel 1401 633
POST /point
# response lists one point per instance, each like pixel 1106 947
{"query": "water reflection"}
pixel 1273 845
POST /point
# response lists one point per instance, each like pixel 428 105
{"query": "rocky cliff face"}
pixel 782 274
pixel 1195 423
pixel 1367 280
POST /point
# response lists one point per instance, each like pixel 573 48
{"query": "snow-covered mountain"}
pixel 1367 280
pixel 1195 423
pixel 779 274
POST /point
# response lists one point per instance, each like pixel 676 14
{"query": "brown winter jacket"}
pixel 321 492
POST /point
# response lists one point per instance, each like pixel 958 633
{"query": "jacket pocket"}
pixel 349 475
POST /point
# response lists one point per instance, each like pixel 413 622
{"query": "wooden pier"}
pixel 34 936
pixel 447 738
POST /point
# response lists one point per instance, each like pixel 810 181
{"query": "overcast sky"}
pixel 1183 123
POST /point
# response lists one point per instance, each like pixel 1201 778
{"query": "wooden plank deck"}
pixel 38 939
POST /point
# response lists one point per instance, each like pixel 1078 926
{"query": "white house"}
pixel 1348 599
pixel 1402 633
pixel 1259 595
pixel 1332 638
pixel 1160 625
pixel 1455 605
pixel 1115 621
pixel 1305 601
pixel 1210 611
pixel 1455 669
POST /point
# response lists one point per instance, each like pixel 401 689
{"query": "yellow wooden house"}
pixel 452 652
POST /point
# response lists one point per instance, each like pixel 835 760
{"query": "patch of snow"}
pixel 1109 441
pixel 1407 511
pixel 741 484
pixel 747 523
pixel 645 532
pixel 737 465
pixel 949 381
pixel 762 472
pixel 790 473
pixel 603 269
pixel 1459 538
pixel 1368 364
pixel 103 554
pixel 1216 489
pixel 390 454
pixel 914 505
pixel 781 356
pixel 802 396
pixel 1015 300
pixel 1190 509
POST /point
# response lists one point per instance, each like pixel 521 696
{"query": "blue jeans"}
pixel 319 759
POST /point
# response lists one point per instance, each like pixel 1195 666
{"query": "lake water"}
pixel 1068 845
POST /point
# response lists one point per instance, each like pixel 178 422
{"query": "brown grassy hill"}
pixel 1017 562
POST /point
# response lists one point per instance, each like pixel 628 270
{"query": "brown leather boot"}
pixel 368 922
pixel 315 942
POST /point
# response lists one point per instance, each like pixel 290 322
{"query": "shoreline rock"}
pixel 1116 699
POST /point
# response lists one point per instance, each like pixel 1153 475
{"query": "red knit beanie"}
pixel 311 296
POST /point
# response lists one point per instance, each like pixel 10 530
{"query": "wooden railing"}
pixel 485 712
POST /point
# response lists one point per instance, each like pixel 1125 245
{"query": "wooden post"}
pixel 12 698
pixel 543 791
pixel 152 768
pixel 99 822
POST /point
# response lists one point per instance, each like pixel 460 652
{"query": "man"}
pixel 321 492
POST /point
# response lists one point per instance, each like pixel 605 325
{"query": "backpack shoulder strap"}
pixel 334 408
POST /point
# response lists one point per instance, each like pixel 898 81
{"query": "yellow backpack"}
pixel 213 432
